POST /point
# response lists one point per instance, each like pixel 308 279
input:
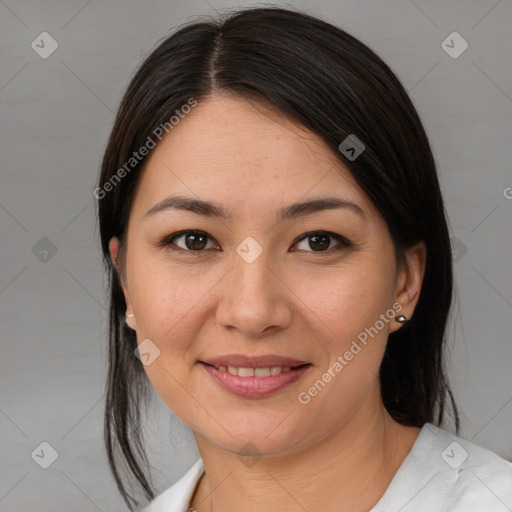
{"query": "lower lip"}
pixel 254 387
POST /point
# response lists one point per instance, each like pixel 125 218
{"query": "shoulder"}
pixel 177 497
pixel 479 479
pixel 466 476
pixel 444 472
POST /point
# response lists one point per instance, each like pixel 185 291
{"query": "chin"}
pixel 256 441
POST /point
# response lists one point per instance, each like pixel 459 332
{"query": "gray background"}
pixel 56 114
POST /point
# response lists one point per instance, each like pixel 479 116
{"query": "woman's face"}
pixel 255 284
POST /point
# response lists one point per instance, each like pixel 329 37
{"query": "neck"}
pixel 348 470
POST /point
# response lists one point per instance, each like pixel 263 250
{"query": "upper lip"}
pixel 242 361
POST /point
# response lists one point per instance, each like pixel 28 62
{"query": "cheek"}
pixel 342 303
pixel 165 297
pixel 344 312
pixel 167 302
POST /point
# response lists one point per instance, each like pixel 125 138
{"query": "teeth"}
pixel 255 372
pixel 246 372
pixel 262 372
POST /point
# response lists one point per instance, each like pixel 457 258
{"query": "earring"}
pixel 401 318
pixel 126 320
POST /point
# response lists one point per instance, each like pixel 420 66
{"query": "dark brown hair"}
pixel 334 85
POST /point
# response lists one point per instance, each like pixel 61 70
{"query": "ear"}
pixel 409 280
pixel 113 246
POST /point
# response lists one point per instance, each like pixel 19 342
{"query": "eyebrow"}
pixel 292 211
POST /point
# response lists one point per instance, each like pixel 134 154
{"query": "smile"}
pixel 254 372
pixel 260 382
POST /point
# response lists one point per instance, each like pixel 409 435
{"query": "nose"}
pixel 254 298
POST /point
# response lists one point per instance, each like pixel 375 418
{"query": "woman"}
pixel 280 273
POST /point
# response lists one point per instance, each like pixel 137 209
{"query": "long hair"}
pixel 334 85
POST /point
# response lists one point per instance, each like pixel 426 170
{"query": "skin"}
pixel 341 450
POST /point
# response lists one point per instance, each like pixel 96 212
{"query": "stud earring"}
pixel 401 318
pixel 126 320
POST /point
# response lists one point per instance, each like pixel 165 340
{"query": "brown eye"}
pixel 194 241
pixel 320 241
pixel 190 241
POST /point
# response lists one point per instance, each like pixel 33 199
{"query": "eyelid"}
pixel 343 242
pixel 168 241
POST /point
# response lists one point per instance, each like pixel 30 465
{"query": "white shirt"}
pixel 441 473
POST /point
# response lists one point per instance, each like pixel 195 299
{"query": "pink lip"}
pixel 255 387
pixel 242 361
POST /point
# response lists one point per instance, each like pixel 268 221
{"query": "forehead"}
pixel 241 152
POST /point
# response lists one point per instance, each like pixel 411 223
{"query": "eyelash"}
pixel 168 241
